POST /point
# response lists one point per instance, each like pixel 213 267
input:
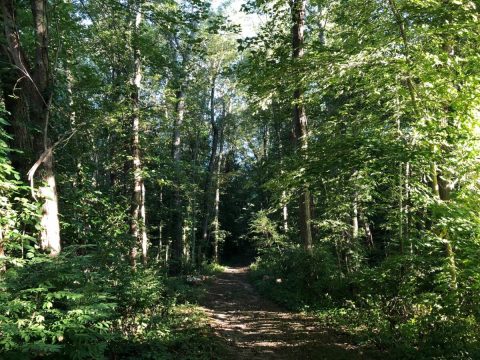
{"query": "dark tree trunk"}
pixel 207 204
pixel 300 121
pixel 30 108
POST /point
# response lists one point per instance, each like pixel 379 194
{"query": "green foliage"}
pixel 263 231
pixel 386 88
pixel 211 268
pixel 18 215
pixel 297 279
pixel 60 306
pixel 78 307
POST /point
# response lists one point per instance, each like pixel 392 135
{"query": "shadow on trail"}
pixel 256 328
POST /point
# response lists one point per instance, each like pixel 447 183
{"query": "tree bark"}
pixel 216 221
pixel 30 107
pixel 283 197
pixel 355 217
pixel 210 174
pixel 178 243
pixel 3 266
pixel 193 210
pixel 137 224
pixel 284 211
pixel 300 120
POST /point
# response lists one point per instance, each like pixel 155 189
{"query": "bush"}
pixel 304 280
pixel 77 307
pixel 404 304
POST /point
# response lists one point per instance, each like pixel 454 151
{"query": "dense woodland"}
pixel 336 147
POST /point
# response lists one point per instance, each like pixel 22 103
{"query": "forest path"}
pixel 256 328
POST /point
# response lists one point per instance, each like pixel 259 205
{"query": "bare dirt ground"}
pixel 253 327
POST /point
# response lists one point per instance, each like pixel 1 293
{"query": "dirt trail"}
pixel 255 328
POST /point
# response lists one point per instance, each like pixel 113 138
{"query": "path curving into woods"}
pixel 253 327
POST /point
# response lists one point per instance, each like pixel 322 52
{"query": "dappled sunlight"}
pixel 256 328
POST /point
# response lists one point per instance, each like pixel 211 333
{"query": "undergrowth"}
pixel 398 314
pixel 93 307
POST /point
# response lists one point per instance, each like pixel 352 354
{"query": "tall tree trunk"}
pixel 50 234
pixel 3 266
pixel 283 197
pixel 160 227
pixel 266 141
pixel 178 243
pixel 441 190
pixel 210 174
pixel 355 217
pixel 300 120
pixel 32 91
pixel 193 240
pixel 368 231
pixel 216 221
pixel 137 224
pixel 284 210
pixel 407 206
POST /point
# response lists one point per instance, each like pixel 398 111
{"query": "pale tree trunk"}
pixel 401 209
pixel 193 240
pixel 180 253
pixel 441 190
pixel 138 224
pixel 3 266
pixel 368 231
pixel 300 121
pixel 266 141
pixel 33 91
pixel 355 217
pixel 178 236
pixel 216 221
pixel 50 234
pixel 283 197
pixel 284 210
pixel 403 172
pixel 407 205
pixel 160 228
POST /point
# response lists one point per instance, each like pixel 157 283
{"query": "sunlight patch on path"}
pixel 255 328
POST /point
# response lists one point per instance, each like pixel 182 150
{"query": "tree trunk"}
pixel 216 222
pixel 210 174
pixel 300 121
pixel 441 190
pixel 137 224
pixel 368 231
pixel 284 210
pixel 32 92
pixel 160 228
pixel 283 197
pixel 178 243
pixel 193 245
pixel 3 266
pixel 355 217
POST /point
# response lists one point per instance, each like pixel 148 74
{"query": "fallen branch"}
pixel 33 169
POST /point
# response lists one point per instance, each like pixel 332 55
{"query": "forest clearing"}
pixel 239 179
